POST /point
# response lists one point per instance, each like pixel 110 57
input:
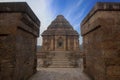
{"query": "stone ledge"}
pixel 102 6
pixel 23 7
pixel 87 28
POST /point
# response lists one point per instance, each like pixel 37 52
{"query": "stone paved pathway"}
pixel 59 74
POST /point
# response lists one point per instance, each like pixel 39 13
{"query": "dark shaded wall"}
pixel 19 29
pixel 101 42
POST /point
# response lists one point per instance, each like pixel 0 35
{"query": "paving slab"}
pixel 59 74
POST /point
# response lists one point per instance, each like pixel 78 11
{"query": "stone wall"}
pixel 101 42
pixel 50 43
pixel 19 29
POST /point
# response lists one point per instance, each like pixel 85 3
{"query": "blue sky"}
pixel 73 10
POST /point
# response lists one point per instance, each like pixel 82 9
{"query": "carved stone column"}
pixel 64 42
pixel 55 42
pixel 68 43
pixel 75 43
pixel 52 43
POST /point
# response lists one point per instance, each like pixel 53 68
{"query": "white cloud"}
pixel 79 3
pixel 76 25
pixel 79 15
pixel 74 7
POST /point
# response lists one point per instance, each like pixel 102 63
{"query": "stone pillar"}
pixel 48 43
pixel 55 42
pixel 43 43
pixel 52 45
pixel 64 42
pixel 68 43
pixel 71 43
pixel 101 41
pixel 19 29
pixel 75 46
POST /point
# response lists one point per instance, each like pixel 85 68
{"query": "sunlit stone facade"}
pixel 60 36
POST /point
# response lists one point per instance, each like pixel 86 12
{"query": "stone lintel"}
pixel 102 6
pixel 97 23
pixel 18 7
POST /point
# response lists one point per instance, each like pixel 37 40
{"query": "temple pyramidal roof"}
pixel 60 26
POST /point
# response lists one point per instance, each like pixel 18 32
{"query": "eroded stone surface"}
pixel 18 38
pixel 101 42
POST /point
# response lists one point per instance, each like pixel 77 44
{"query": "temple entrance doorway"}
pixel 60 44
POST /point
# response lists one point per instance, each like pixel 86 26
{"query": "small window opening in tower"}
pixel 60 44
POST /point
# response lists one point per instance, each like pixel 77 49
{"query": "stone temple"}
pixel 60 36
pixel 59 40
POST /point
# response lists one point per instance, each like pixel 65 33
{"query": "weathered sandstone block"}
pixel 19 29
pixel 101 41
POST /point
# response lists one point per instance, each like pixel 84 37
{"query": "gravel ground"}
pixel 59 74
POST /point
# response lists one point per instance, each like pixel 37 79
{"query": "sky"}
pixel 73 10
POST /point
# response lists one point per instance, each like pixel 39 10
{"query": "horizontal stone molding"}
pixel 87 28
pixel 18 7
pixel 28 25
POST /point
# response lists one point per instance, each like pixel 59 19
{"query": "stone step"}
pixel 60 62
pixel 60 58
pixel 60 66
